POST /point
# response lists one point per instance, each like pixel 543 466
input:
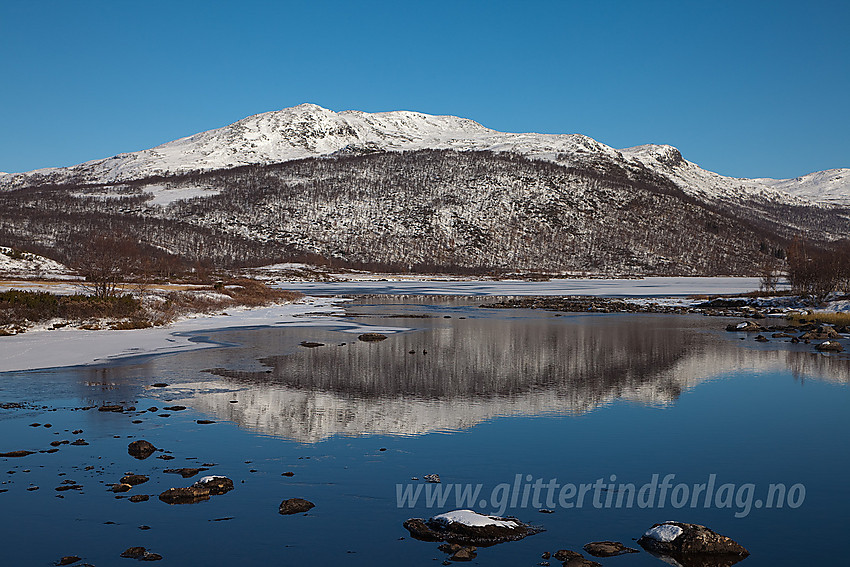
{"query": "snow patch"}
pixel 207 479
pixel 665 532
pixel 470 518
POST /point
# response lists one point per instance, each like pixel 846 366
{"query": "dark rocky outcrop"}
pixel 141 449
pixel 829 346
pixel 215 484
pixel 13 454
pixel 444 528
pixel 820 333
pixel 573 559
pixel 295 506
pixel 68 560
pixel 134 479
pixel 607 548
pixel 371 337
pixel 188 495
pixel 677 540
pixel 141 554
pixel 745 327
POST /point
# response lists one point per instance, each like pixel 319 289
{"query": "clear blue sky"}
pixel 755 89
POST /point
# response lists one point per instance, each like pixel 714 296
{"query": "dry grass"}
pixel 126 312
pixel 237 293
pixel 836 319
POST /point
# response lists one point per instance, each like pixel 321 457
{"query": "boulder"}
pixel 121 487
pixel 215 484
pixel 188 495
pixel 141 449
pixel 464 554
pixel 134 479
pixel 829 346
pixel 566 555
pixel 295 506
pixel 745 327
pixel 139 498
pixel 676 538
pixel 134 552
pixel 371 337
pixel 68 560
pixel 762 339
pixel 820 333
pixel 468 527
pixel 607 548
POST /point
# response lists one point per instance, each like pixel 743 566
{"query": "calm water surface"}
pixel 478 396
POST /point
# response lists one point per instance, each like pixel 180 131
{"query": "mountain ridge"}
pixel 308 130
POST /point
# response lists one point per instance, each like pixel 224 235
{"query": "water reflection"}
pixel 453 374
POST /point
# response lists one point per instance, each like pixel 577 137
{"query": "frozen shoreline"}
pixel 645 287
pixel 40 349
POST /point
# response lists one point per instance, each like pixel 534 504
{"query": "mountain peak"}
pixel 309 130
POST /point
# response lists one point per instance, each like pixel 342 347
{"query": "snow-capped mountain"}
pixel 309 130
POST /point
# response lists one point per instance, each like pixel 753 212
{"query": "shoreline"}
pixel 41 349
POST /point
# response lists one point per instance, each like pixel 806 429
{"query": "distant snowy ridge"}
pixel 308 130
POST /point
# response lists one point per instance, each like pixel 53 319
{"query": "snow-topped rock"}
pixel 468 527
pixel 678 539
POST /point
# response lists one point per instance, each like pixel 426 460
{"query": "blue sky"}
pixel 755 89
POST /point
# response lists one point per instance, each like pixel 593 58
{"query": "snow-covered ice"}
pixel 72 347
pixel 646 287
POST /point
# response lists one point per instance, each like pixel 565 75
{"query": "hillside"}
pixel 408 191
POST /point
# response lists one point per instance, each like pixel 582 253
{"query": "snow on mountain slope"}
pixel 705 184
pixel 25 264
pixel 308 130
pixel 831 186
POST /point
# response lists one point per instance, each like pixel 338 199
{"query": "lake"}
pixel 495 401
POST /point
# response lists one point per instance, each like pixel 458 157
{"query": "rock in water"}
pixel 464 554
pixel 607 548
pixel 215 484
pixel 821 332
pixel 12 454
pixel 676 538
pixel 745 327
pixel 829 346
pixel 188 495
pixel 134 552
pixel 295 506
pixel 141 449
pixel 134 479
pixel 468 527
pixel 371 337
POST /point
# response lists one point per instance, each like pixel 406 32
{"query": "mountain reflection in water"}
pixel 452 374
